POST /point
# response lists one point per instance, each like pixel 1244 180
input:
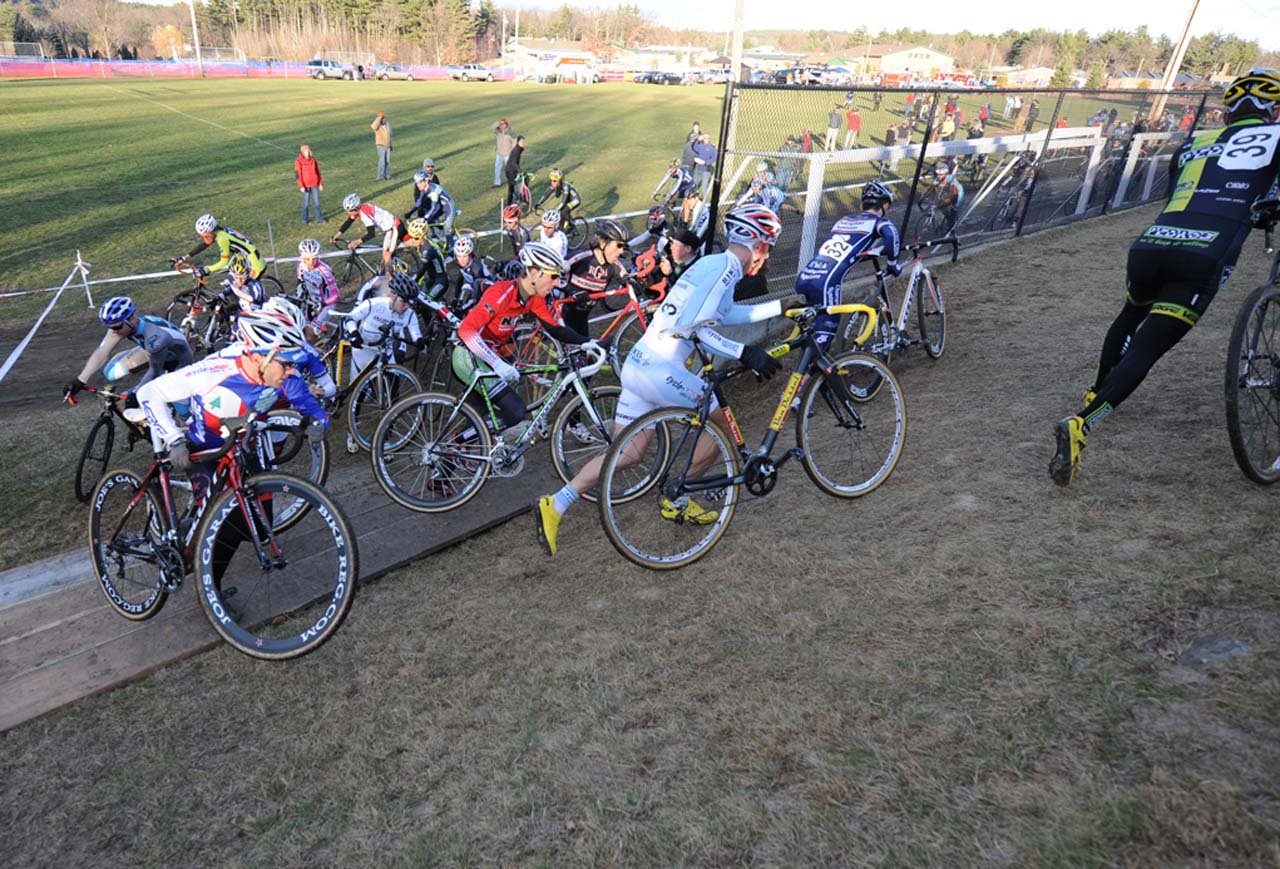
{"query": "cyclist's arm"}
pixel 295 389
pixel 891 242
pixel 198 249
pixel 99 357
pixel 571 198
pixel 470 334
pixel 346 224
pixel 551 323
pixel 544 198
pixel 224 252
pixel 319 374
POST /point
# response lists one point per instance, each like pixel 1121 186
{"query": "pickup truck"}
pixel 471 72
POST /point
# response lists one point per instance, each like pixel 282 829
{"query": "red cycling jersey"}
pixel 487 329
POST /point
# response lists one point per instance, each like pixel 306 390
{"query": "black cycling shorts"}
pixel 1176 283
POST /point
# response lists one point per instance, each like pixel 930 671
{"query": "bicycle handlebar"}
pixel 103 391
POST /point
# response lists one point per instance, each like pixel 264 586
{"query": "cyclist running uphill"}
pixel 655 374
pixel 561 195
pixel 375 220
pixel 516 232
pixel 486 332
pixel 1179 263
pixel 549 232
pixel 852 236
pixel 229 242
pixel 316 285
pixel 594 269
pixel 162 344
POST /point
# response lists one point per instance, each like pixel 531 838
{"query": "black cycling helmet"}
pixel 403 285
pixel 657 216
pixel 877 192
pixel 608 229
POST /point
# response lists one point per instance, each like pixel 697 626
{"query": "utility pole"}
pixel 736 65
pixel 195 36
pixel 1175 63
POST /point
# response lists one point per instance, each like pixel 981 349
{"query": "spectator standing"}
pixel 833 128
pixel 890 140
pixel 687 155
pixel 947 131
pixel 806 141
pixel 876 99
pixel 382 142
pixel 307 172
pixel 506 140
pixel 704 163
pixel 853 126
pixel 911 104
pixel 984 114
pixel 1033 112
pixel 512 168
pixel 1008 106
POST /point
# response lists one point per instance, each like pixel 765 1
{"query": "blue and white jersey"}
pixel 165 344
pixel 852 236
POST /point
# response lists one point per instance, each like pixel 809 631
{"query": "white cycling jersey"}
pixel 556 240
pixel 371 317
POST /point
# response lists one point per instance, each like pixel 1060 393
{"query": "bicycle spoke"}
pixel 429 454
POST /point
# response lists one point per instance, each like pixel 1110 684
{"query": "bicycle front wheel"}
pixel 94 456
pixel 1252 386
pixel 866 383
pixel 372 394
pixel 533 348
pixel 125 526
pixel 576 232
pixel 275 594
pixel 661 511
pixel 431 453
pixel 931 313
pixel 851 445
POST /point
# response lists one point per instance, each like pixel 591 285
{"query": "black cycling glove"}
pixel 759 361
pixel 73 386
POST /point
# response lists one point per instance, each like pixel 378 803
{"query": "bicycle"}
pixel 374 388
pixel 890 335
pixel 1252 381
pixel 935 218
pixel 95 455
pixel 433 451
pixel 280 597
pixel 848 450
pixel 202 315
pixel 523 191
pixel 576 229
pixel 356 265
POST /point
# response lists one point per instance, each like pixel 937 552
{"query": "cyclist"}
pixel 1178 264
pixel 516 232
pixel 316 284
pixel 229 242
pixel 852 236
pixel 380 285
pixel 549 232
pixel 562 196
pixel 658 230
pixel 946 192
pixel 431 271
pixel 377 320
pixel 312 368
pixel 468 275
pixel 165 346
pixel 375 220
pixel 654 374
pixel 432 204
pixel 486 331
pixel 594 269
pixel 245 291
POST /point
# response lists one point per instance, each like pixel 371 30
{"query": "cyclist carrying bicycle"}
pixel 655 374
pixel 516 232
pixel 852 236
pixel 562 196
pixel 317 283
pixel 165 346
pixel 594 269
pixel 549 232
pixel 375 220
pixel 1178 264
pixel 486 332
pixel 468 276
pixel 229 242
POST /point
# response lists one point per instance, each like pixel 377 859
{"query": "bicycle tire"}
pixel 442 458
pixel 440 375
pixel 271 286
pixel 94 457
pixel 372 394
pixel 869 463
pixel 533 347
pixel 880 346
pixel 134 530
pixel 295 452
pixel 576 232
pixel 635 525
pixel 931 313
pixel 177 311
pixel 290 603
pixel 1250 386
pixel 931 224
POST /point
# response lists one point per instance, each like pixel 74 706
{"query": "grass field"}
pixel 969 667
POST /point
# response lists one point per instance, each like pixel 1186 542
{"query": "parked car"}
pixel 319 69
pixel 387 71
pixel 471 72
pixel 716 76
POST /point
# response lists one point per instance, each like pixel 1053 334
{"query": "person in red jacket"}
pixel 307 172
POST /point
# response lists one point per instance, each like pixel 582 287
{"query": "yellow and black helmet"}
pixel 1261 87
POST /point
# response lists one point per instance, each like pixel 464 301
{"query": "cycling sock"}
pixel 564 499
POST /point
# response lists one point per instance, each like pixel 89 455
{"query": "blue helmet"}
pixel 116 310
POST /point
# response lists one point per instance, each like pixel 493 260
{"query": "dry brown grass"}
pixel 970 667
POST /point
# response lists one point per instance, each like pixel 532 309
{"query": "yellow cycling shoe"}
pixel 1089 396
pixel 1065 463
pixel 690 513
pixel 547 523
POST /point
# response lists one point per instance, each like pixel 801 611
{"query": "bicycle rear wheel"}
pixel 94 457
pixel 576 231
pixel 275 594
pixel 295 454
pixel 193 324
pixel 865 383
pixel 372 394
pixel 931 313
pixel 1252 386
pixel 123 538
pixel 851 445
pixel 657 511
pixel 431 453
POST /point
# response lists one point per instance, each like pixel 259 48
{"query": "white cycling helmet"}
pixel 351 202
pixel 282 307
pixel 551 217
pixel 205 224
pixel 421 177
pixel 265 332
pixel 309 247
pixel 463 245
pixel 536 255
pixel 752 225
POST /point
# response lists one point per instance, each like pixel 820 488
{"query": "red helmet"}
pixel 512 212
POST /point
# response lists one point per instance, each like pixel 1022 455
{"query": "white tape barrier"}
pixel 79 269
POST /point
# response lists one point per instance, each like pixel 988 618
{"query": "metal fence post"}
pixel 915 181
pixel 1044 150
pixel 730 94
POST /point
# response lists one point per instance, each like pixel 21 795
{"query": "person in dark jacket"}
pixel 512 169
pixel 307 172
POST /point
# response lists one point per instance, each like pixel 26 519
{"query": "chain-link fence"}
pixel 979 163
